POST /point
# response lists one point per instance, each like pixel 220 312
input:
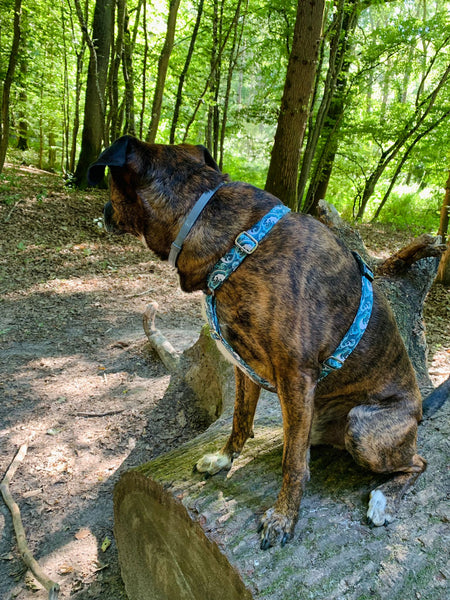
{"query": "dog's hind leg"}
pixel 383 439
pixel 247 395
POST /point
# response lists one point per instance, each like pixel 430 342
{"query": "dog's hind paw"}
pixel 210 464
pixel 378 514
pixel 275 527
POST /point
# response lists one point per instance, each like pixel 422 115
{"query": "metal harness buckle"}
pixel 243 240
pixel 327 365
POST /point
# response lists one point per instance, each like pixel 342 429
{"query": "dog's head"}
pixel 153 187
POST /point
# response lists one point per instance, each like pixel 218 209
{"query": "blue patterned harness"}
pixel 245 244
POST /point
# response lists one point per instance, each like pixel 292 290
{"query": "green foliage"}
pixel 424 216
pixel 398 53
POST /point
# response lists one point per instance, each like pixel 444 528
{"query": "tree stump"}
pixel 181 537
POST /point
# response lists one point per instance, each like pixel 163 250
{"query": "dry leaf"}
pixel 65 569
pixel 82 533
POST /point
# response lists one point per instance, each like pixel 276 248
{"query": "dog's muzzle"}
pixel 110 225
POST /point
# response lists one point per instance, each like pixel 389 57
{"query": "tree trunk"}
pixel 163 65
pixel 182 538
pixel 51 148
pixel 332 104
pixel 209 80
pixel 283 168
pixel 184 72
pixel 7 83
pixel 22 142
pixel 215 65
pixel 79 51
pixel 113 75
pixel 443 275
pixel 234 53
pixel 128 76
pixel 144 72
pixel 94 112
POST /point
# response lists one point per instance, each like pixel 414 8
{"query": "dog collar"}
pixel 191 218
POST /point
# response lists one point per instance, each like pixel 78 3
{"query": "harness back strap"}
pixel 353 336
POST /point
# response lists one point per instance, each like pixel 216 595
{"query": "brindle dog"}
pixel 284 311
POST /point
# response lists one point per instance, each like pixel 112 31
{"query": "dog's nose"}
pixel 110 225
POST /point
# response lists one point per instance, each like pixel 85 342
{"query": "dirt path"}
pixel 78 383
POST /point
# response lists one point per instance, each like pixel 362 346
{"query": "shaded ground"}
pixel 76 379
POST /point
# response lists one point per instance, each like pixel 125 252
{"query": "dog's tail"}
pixel 436 399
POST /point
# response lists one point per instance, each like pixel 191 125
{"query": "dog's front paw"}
pixel 378 513
pixel 210 464
pixel 275 527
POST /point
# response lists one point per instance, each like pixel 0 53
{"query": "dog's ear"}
pixel 114 156
pixel 208 158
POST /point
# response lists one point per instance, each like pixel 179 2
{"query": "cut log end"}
pixel 163 552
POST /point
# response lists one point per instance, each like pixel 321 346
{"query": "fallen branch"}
pixel 422 247
pixel 167 353
pixel 27 557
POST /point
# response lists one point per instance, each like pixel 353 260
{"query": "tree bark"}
pixel 128 76
pixel 184 72
pixel 183 538
pixel 332 105
pixel 443 275
pixel 283 168
pixel 234 53
pixel 114 125
pixel 7 83
pixel 22 142
pixel 94 112
pixel 163 65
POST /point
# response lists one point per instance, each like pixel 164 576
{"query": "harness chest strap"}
pixel 245 244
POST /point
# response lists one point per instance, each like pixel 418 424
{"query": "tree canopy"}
pixel 377 138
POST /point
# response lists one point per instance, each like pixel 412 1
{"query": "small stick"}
pixel 93 415
pixel 167 353
pixel 149 291
pixel 7 218
pixel 28 558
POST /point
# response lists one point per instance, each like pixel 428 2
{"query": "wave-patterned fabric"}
pixel 353 336
pixel 245 244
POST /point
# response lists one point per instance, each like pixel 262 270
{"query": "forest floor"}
pixel 78 383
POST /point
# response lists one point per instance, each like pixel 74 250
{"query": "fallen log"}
pixel 181 537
